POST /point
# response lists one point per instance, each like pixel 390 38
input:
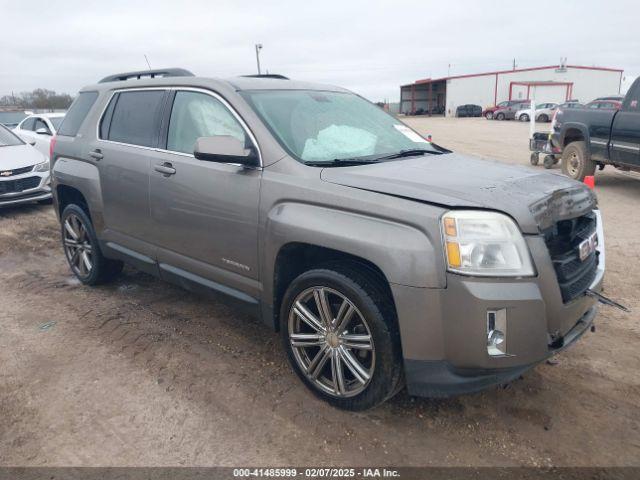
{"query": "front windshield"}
pixel 319 126
pixel 8 139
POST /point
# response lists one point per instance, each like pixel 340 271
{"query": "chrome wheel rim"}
pixel 331 342
pixel 77 246
pixel 573 164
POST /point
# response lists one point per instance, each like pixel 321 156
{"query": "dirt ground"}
pixel 142 373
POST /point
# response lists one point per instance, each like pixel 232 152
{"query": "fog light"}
pixel 497 332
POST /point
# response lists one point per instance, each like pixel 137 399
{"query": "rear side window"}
pixel 77 113
pixel 28 124
pixel 136 118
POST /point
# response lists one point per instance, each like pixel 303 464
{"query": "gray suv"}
pixel 382 259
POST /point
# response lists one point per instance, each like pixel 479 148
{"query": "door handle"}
pixel 166 169
pixel 96 154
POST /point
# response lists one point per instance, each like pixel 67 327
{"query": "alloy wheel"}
pixel 331 341
pixel 77 246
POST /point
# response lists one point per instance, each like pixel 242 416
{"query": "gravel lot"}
pixel 142 373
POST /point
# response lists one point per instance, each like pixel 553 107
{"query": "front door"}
pixel 625 132
pixel 205 214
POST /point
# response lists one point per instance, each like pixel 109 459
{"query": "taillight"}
pixel 52 146
pixel 554 122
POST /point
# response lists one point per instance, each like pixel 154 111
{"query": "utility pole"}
pixel 258 48
pixel 514 63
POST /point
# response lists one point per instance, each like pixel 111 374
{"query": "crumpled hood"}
pixel 19 156
pixel 536 200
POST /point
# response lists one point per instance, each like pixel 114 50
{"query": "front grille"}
pixel 12 186
pixel 562 239
pixel 15 171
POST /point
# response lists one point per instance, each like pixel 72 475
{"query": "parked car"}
pixel 544 112
pixel 24 172
pixel 617 98
pixel 604 105
pixel 569 104
pixel 11 119
pixel 488 112
pixel 379 256
pixel 469 110
pixel 40 128
pixel 595 136
pixel 509 112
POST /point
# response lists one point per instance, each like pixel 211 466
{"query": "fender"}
pixel 406 255
pixel 84 177
pixel 575 126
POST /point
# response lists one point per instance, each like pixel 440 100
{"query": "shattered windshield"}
pixel 318 126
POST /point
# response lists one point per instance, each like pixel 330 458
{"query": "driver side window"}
pixel 195 115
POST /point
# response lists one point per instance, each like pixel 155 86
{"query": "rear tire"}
pixel 372 317
pixel 524 117
pixel 82 249
pixel 488 115
pixel 543 118
pixel 576 162
pixel 549 161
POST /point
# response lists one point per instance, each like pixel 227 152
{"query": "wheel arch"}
pixel 298 235
pixel 76 181
pixel 574 133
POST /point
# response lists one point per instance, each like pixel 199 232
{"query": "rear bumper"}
pixel 439 379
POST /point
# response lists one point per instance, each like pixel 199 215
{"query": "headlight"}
pixel 41 167
pixel 486 244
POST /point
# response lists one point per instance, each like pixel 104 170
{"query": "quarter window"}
pixel 136 118
pixel 197 115
pixel 77 113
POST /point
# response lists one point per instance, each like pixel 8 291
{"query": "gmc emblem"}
pixel 588 246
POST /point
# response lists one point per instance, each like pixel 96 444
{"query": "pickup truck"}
pixel 590 138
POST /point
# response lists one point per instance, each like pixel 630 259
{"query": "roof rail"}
pixel 267 75
pixel 165 72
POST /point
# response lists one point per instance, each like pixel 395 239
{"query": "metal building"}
pixel 554 83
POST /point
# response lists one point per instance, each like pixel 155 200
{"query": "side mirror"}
pixel 225 149
pixel 43 131
pixel 32 142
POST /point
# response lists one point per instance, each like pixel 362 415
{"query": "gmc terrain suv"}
pixel 380 257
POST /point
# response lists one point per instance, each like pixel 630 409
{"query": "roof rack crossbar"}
pixel 267 75
pixel 165 72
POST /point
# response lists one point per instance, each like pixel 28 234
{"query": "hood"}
pixel 19 156
pixel 536 200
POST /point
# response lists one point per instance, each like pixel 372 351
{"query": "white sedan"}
pixel 39 128
pixel 544 113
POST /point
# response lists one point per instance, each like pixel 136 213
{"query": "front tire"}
pixel 500 116
pixel 341 337
pixel 488 115
pixel 82 249
pixel 543 118
pixel 576 162
pixel 524 117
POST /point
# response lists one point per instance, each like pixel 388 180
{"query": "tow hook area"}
pixel 606 301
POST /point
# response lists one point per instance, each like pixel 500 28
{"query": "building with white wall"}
pixel 554 83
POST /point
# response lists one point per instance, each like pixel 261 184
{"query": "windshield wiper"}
pixel 412 152
pixel 342 162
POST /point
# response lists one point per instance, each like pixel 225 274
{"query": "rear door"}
pixel 125 150
pixel 205 214
pixel 625 131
